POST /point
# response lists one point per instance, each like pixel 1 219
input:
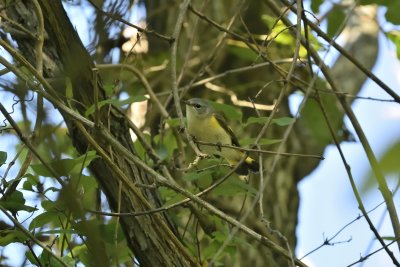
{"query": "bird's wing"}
pixel 221 120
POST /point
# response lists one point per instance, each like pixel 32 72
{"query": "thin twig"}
pixel 161 180
pixel 128 182
pixel 327 241
pixel 142 79
pixel 28 143
pixel 32 237
pixel 18 26
pixel 364 141
pixel 363 258
pixel 140 29
pixel 261 150
pixel 175 93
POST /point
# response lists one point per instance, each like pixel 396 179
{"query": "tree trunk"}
pixel 149 237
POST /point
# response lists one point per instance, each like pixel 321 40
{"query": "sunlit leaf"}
pixel 394 36
pixel 81 252
pixel 279 31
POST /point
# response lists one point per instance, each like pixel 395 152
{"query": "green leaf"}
pixel 313 120
pixel 284 121
pixel 193 176
pixel 89 197
pixel 166 146
pixel 48 259
pixel 389 164
pixel 115 102
pixel 48 217
pixel 65 167
pixel 31 258
pixel 108 232
pixel 315 5
pixel 174 122
pixel 31 180
pixel 16 202
pixel 12 236
pixel 230 112
pixel 69 91
pixel 335 20
pixel 141 152
pixel 243 53
pixel 394 36
pixel 279 32
pixel 81 251
pixel 234 187
pixel 3 157
pixel 392 13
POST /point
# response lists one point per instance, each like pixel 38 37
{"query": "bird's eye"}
pixel 197 106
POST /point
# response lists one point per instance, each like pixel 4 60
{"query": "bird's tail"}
pixel 252 165
pixel 249 164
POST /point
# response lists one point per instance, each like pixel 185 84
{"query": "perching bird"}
pixel 207 125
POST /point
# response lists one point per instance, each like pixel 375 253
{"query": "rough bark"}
pixel 149 237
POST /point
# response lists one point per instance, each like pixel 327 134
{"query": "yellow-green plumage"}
pixel 206 125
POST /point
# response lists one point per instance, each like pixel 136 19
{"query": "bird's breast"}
pixel 209 130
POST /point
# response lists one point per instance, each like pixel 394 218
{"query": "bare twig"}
pixel 175 92
pixel 32 237
pixel 364 141
pixel 161 180
pixel 28 143
pixel 345 53
pixel 363 258
pixel 261 150
pixel 140 29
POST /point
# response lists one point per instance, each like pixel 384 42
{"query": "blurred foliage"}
pixel 389 163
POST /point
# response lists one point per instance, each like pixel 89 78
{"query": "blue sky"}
pixel 327 201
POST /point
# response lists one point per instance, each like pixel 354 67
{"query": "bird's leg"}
pixel 219 144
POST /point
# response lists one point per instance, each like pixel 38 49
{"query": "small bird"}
pixel 205 124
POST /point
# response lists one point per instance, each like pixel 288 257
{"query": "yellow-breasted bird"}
pixel 205 124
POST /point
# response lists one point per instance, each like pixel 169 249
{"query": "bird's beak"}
pixel 186 102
